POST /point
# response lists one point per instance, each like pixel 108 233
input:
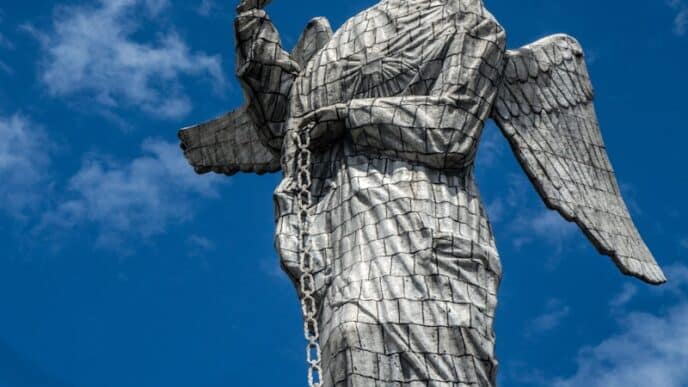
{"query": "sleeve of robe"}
pixel 266 73
pixel 439 129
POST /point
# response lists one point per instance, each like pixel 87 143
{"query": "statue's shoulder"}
pixel 468 12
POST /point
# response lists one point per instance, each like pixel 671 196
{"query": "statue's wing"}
pixel 545 109
pixel 227 144
pixel 317 34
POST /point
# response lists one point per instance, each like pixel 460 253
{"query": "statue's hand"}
pixel 336 112
pixel 326 123
pixel 247 5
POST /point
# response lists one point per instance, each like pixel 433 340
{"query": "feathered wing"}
pixel 317 34
pixel 545 109
pixel 232 143
pixel 227 144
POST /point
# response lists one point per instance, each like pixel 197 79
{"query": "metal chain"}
pixel 308 306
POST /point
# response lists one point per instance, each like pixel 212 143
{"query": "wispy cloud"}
pixel 25 156
pixel 206 7
pixel 681 18
pixel 649 349
pixel 5 68
pixel 5 44
pixel 684 243
pixel 555 313
pixel 20 370
pixel 199 246
pixel 271 268
pixel 514 199
pixel 96 51
pixel 139 198
pixel 629 193
pixel 4 41
pixel 526 223
pixel 550 225
pixel 492 146
pixel 677 275
pixel 199 243
pixel 625 296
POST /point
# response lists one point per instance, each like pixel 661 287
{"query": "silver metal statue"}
pixel 379 221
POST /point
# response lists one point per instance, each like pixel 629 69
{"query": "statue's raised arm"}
pixel 249 139
pixel 545 109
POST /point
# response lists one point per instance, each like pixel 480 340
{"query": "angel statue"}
pixel 379 222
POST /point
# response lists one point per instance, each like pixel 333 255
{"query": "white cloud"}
pixel 5 43
pixel 681 18
pixel 94 51
pixel 555 313
pixel 515 199
pixel 495 210
pixel 551 225
pixel 5 68
pixel 206 7
pixel 677 275
pixel 681 22
pixel 492 146
pixel 526 224
pixel 198 244
pixel 543 225
pixel 25 155
pixel 684 243
pixel 271 268
pixel 629 194
pixel 139 198
pixel 625 296
pixel 649 349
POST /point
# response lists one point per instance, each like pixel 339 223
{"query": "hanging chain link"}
pixel 308 305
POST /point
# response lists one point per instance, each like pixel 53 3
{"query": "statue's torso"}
pixel 390 223
pixel 396 48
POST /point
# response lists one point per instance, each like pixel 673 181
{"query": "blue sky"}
pixel 120 267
